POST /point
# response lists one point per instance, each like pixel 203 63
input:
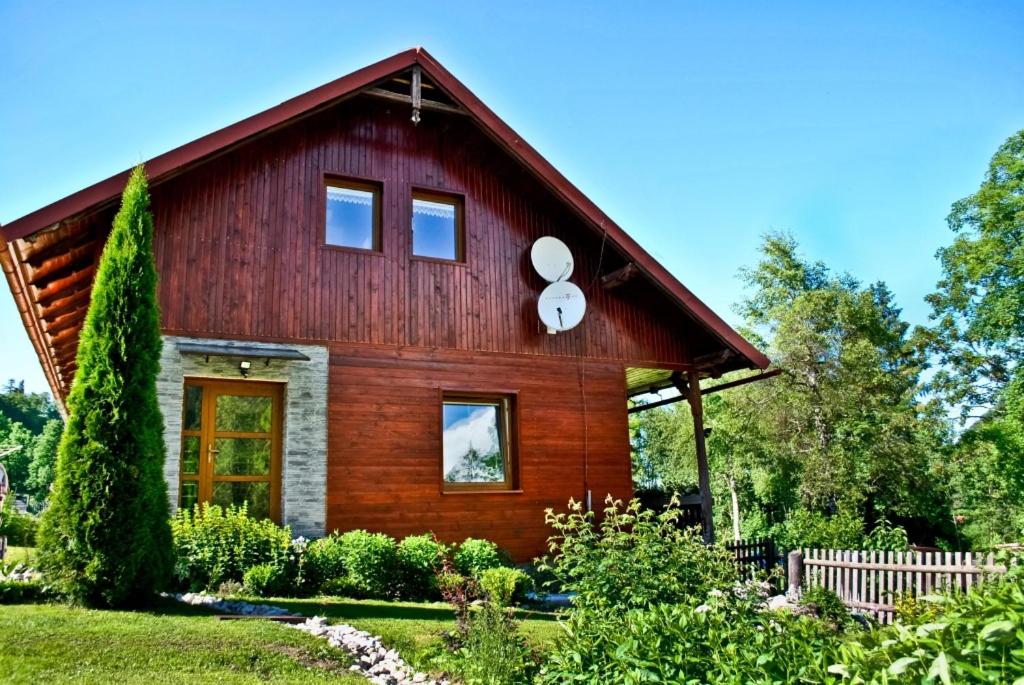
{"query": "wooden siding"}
pixel 384 442
pixel 240 252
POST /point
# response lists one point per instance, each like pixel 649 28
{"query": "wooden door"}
pixel 231 445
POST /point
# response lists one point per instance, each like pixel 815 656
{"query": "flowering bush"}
pixel 632 557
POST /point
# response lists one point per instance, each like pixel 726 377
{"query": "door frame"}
pixel 212 387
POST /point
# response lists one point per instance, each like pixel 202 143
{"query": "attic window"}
pixel 352 215
pixel 437 229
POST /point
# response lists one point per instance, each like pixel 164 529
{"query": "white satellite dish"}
pixel 551 259
pixel 561 306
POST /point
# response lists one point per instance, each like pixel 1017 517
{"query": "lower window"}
pixel 477 445
pixel 230 445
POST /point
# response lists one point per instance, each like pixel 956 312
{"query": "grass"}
pixel 413 628
pixel 16 555
pixel 170 644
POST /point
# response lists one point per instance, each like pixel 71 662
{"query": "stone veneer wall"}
pixel 304 452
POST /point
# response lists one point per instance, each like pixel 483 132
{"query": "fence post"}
pixel 795 571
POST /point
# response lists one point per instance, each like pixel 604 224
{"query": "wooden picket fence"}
pixel 754 557
pixel 872 581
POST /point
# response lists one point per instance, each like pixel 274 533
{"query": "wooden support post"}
pixel 693 396
pixel 795 571
pixel 416 93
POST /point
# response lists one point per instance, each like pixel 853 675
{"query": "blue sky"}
pixel 697 126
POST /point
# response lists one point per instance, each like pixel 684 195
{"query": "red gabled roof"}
pixel 171 163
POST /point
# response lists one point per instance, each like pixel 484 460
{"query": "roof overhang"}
pixel 49 266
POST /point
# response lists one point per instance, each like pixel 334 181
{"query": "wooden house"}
pixel 351 335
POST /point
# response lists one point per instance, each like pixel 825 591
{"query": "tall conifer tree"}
pixel 105 539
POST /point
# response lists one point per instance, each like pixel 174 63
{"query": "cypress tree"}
pixel 105 539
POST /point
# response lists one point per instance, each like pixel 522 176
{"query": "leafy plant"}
pixel 827 606
pixel 911 609
pixel 494 651
pixel 419 558
pixel 104 539
pixel 887 537
pixel 976 637
pixel 475 556
pixel 264 580
pixel 502 584
pixel 486 646
pixel 723 639
pixel 632 557
pixel 369 561
pixel 213 544
pixel 322 562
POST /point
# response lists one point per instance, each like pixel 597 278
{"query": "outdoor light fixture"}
pixel 244 368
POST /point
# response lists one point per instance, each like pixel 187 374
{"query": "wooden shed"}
pixel 351 337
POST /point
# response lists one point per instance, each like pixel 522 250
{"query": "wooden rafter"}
pixel 704 391
pixel 59 267
pixel 66 304
pixel 59 288
pixel 36 255
pixel 619 276
pixel 430 105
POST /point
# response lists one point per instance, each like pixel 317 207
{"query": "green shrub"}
pixel 503 584
pixel 632 557
pixel 213 544
pixel 370 563
pixel 475 556
pixel 23 592
pixel 420 557
pixel 322 562
pixel 355 564
pixel 805 528
pixel 264 580
pixel 104 539
pixel 19 529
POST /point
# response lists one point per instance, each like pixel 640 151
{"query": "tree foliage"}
pixel 105 538
pixel 29 430
pixel 842 437
pixel 978 307
pixel 31 409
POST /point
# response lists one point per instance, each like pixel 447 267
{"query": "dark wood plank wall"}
pixel 384 438
pixel 240 247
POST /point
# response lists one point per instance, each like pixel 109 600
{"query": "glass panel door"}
pixel 231 445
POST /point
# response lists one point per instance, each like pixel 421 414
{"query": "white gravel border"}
pixel 380 665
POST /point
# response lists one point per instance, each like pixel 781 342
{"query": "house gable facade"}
pixel 314 381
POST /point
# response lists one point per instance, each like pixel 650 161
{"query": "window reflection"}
pixel 473 446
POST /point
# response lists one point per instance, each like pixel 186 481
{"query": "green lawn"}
pixel 409 627
pixel 15 555
pixel 174 644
